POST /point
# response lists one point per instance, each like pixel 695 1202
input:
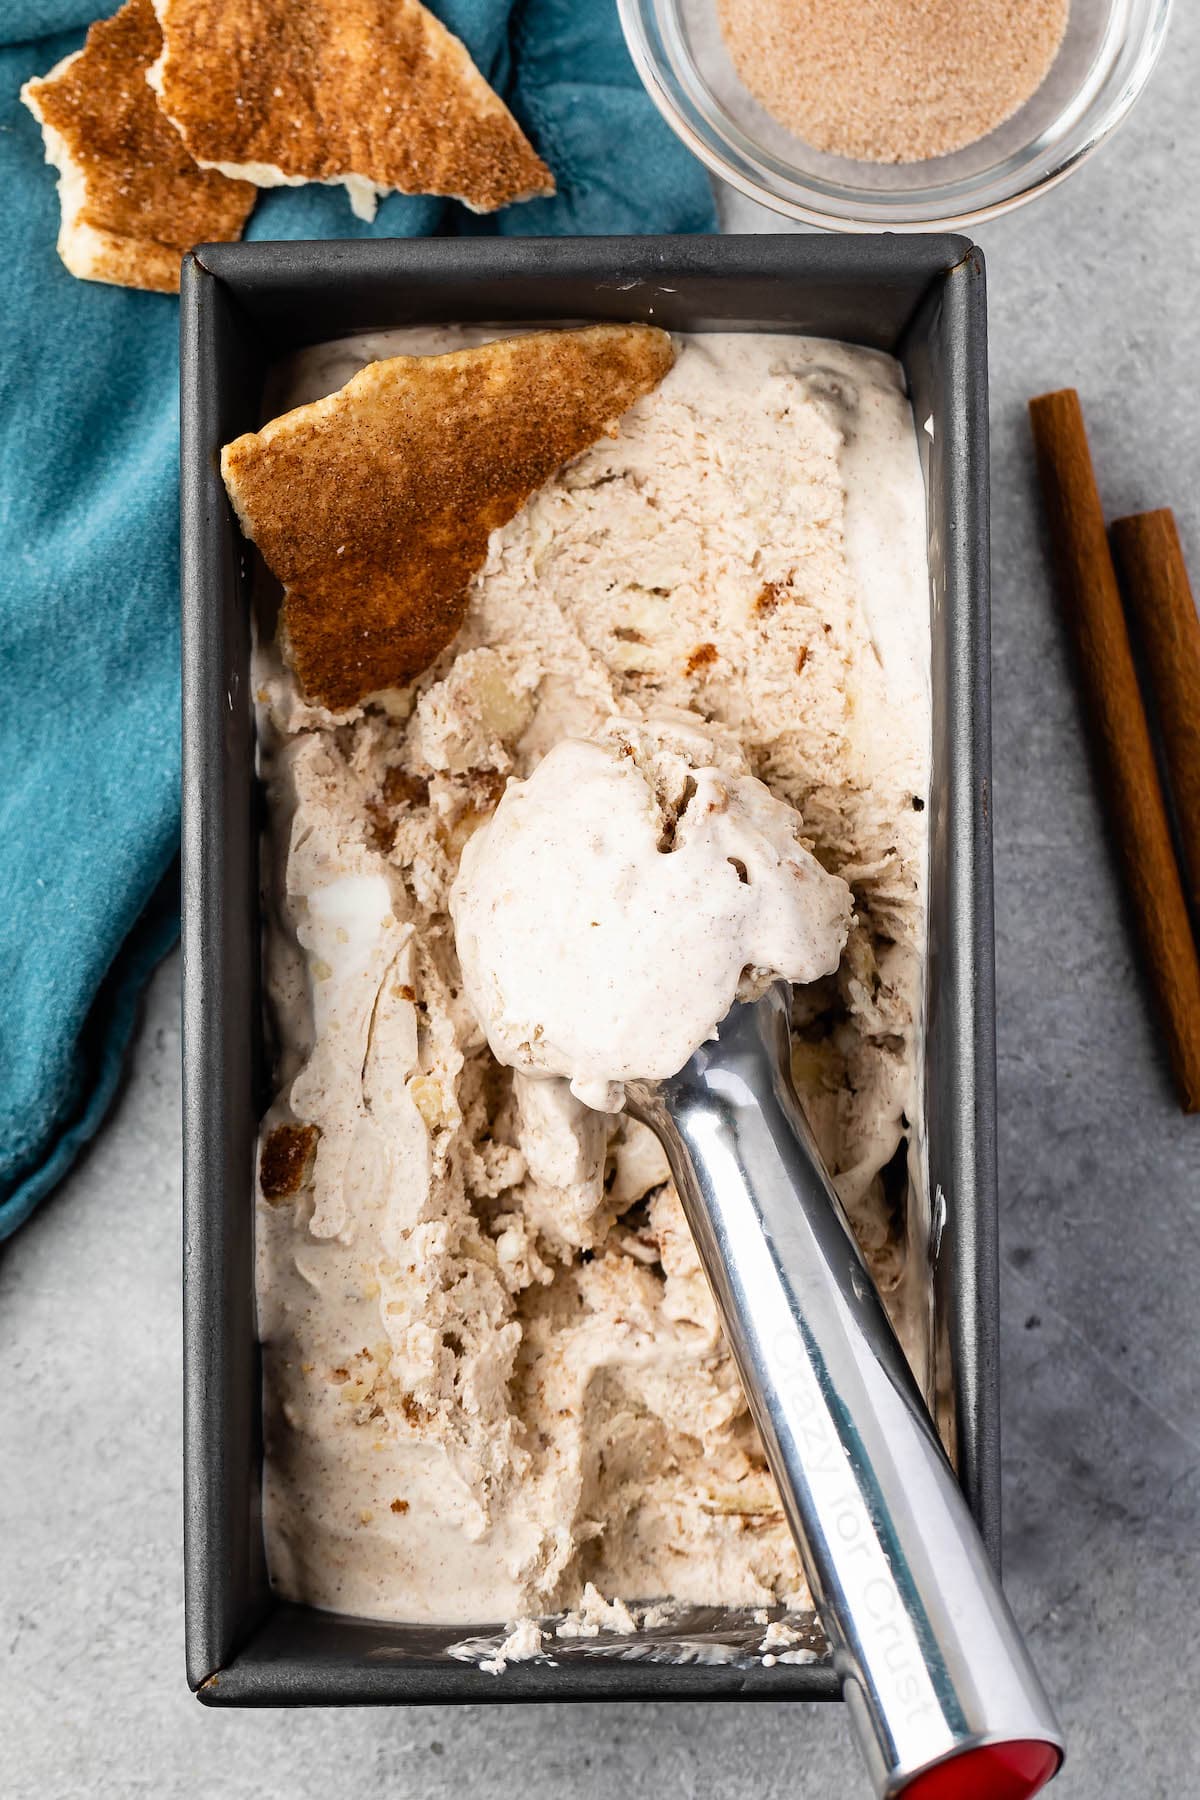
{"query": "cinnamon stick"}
pixel 1158 597
pixel 1091 602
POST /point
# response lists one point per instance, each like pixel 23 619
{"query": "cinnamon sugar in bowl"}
pixel 863 115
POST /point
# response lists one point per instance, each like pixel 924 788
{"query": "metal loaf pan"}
pixel 246 305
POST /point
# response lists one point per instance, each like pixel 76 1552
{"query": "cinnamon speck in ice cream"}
pixel 495 1383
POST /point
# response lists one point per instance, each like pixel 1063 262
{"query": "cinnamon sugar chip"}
pixel 374 506
pixel 285 1164
pixel 374 94
pixel 132 198
pixel 401 787
pixel 702 657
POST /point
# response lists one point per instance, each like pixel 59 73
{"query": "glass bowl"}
pixel 1105 60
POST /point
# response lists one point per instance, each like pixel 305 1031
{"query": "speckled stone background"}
pixel 1096 285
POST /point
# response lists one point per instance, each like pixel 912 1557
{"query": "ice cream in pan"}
pixel 494 1369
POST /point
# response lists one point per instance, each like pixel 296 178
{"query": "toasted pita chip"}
pixel 132 198
pixel 374 506
pixel 374 94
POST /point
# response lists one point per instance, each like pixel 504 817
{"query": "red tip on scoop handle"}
pixel 991 1772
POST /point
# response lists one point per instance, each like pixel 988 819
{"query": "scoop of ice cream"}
pixel 605 931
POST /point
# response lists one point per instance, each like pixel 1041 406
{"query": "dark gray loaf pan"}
pixel 246 305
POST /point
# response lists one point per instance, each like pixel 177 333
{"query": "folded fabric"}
pixel 89 628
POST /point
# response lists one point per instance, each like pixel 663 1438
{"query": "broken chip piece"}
pixel 373 94
pixel 132 198
pixel 286 1162
pixel 374 506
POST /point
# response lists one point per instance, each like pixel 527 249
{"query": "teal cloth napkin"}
pixel 89 630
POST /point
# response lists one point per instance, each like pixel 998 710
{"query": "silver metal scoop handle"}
pixel 931 1660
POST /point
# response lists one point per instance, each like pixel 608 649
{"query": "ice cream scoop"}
pixel 945 1700
pixel 608 919
pixel 621 898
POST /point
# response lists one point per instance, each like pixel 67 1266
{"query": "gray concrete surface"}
pixel 1096 285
